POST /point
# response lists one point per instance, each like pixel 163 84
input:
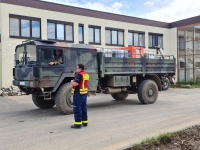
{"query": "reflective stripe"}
pixel 84 89
pixel 85 121
pixel 84 92
pixel 78 123
pixel 72 90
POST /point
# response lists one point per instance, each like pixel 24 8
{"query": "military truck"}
pixel 117 76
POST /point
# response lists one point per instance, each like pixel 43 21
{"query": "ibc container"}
pixel 150 54
pixel 106 51
pixel 120 53
pixel 135 52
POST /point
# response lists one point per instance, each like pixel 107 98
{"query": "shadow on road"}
pixel 28 110
pixel 112 103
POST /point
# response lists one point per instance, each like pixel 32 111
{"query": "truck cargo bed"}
pixel 135 66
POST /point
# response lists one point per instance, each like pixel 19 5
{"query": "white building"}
pixel 32 19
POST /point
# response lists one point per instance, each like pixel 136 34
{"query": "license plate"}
pixel 21 83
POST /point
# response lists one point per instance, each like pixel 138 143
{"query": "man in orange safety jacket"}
pixel 80 90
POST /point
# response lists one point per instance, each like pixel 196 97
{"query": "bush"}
pixel 192 82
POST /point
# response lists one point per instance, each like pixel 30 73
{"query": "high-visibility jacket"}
pixel 83 85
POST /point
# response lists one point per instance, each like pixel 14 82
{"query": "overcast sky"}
pixel 160 10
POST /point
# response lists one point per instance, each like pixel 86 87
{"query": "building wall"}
pixel 8 44
pixel 0 51
pixel 173 45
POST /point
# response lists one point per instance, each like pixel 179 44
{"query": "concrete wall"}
pixel 8 44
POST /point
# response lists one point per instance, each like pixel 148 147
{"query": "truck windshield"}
pixel 25 57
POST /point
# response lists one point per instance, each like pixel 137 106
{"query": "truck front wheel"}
pixel 148 92
pixel 63 99
pixel 120 96
pixel 41 103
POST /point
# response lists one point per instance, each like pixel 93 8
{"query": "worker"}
pixel 57 58
pixel 80 91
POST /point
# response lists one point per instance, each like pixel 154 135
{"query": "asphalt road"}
pixel 112 124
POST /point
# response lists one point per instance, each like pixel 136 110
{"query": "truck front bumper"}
pixel 30 84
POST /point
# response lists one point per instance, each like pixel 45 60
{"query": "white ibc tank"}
pixel 106 51
pixel 120 53
pixel 150 54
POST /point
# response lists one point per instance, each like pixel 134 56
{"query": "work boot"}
pixel 85 124
pixel 76 126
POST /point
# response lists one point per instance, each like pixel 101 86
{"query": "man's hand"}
pixel 51 63
pixel 74 73
pixel 74 83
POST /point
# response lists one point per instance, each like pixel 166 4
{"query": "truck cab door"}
pixel 50 74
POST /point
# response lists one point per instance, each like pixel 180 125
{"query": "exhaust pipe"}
pixel 110 90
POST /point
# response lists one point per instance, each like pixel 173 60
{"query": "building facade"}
pixel 32 19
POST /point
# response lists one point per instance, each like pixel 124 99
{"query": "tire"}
pixel 166 84
pixel 63 99
pixel 119 96
pixel 148 92
pixel 41 103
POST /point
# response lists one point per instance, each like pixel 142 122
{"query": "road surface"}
pixel 112 124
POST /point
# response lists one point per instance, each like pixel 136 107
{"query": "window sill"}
pixel 95 43
pixel 20 37
pixel 152 47
pixel 115 45
pixel 137 46
pixel 61 40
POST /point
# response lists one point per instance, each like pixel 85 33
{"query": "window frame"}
pixel 154 34
pixel 30 19
pixel 63 23
pixel 139 33
pixel 81 25
pixel 114 29
pixel 41 59
pixel 94 27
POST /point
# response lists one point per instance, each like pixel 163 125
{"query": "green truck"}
pixel 117 76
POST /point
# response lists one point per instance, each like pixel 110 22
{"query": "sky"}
pixel 159 10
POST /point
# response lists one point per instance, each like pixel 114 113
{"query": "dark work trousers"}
pixel 80 107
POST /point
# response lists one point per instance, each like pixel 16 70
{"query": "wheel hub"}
pixel 69 100
pixel 150 92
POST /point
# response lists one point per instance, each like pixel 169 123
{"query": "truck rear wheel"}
pixel 166 84
pixel 41 103
pixel 120 96
pixel 63 99
pixel 148 92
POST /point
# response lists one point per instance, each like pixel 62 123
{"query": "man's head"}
pixel 57 52
pixel 79 67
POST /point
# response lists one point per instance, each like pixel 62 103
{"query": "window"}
pixel 94 34
pixel 61 31
pixel 49 55
pixel 30 57
pixel 114 36
pixel 155 40
pixel 25 27
pixel 136 38
pixel 80 33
